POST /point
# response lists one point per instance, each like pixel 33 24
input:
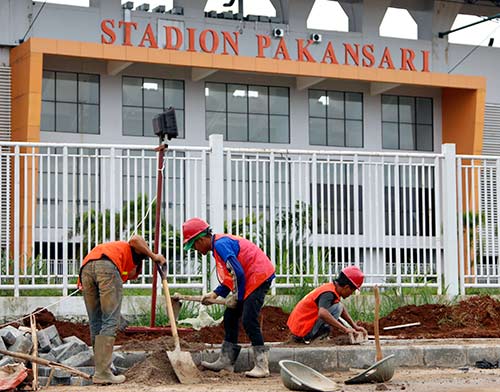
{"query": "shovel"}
pixel 383 369
pixel 177 304
pixel 182 362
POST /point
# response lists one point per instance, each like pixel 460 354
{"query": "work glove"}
pixel 208 298
pixel 231 301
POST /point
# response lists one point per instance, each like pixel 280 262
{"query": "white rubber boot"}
pixel 261 359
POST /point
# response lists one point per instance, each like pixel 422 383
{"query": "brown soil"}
pixel 475 317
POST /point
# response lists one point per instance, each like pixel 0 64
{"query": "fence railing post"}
pixel 17 219
pixel 450 223
pixel 216 180
pixel 65 221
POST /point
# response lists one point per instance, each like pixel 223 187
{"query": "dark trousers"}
pixel 248 310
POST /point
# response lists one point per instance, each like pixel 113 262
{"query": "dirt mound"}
pixel 272 321
pixel 475 317
pixel 154 370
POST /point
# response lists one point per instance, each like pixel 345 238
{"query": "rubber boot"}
pixel 103 355
pixel 261 359
pixel 228 355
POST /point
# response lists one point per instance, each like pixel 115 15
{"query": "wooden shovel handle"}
pixel 375 324
pixel 171 315
pixel 197 298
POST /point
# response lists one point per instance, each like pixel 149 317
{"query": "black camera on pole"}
pixel 165 124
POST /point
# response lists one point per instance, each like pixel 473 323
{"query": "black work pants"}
pixel 248 310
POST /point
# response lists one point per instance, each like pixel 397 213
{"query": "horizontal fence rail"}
pixel 312 212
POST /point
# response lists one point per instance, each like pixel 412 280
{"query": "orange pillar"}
pixel 463 123
pixel 27 72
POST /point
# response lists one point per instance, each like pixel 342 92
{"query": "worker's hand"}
pixel 231 301
pixel 159 259
pixel 208 298
pixel 350 331
pixel 361 330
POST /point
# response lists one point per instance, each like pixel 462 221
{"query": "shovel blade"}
pixel 184 367
pixel 381 371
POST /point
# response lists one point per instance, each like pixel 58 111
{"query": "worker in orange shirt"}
pixel 102 274
pixel 320 310
pixel 244 270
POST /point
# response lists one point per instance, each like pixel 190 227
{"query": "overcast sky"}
pixel 328 15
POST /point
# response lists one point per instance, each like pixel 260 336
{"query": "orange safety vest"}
pixel 256 265
pixel 120 254
pixel 305 313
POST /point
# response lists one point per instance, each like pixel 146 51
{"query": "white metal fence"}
pixel 406 219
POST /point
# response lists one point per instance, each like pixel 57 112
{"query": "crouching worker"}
pixel 320 310
pixel 243 269
pixel 102 274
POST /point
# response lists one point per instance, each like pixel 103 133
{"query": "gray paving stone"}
pixel 405 356
pixel 79 381
pixel 2 346
pixel 9 334
pixel 43 371
pixel 53 335
pixel 48 356
pixel 42 380
pixel 74 339
pixel 67 350
pixel 318 358
pixel 6 360
pixel 22 345
pixel 445 356
pixel 84 358
pixel 129 359
pixel 44 345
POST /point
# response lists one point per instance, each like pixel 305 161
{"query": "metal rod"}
pixel 161 151
pixel 444 33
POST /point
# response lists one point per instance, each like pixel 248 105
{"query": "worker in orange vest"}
pixel 245 270
pixel 102 274
pixel 321 309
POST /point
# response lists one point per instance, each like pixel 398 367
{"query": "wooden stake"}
pixel 49 379
pixel 34 339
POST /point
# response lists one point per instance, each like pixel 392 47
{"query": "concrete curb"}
pixel 446 354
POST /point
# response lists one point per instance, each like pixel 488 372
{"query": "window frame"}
pixel 143 107
pixel 248 114
pixel 77 102
pixel 415 123
pixel 344 118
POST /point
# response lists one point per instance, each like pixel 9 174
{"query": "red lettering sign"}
pixel 169 36
pixel 128 26
pixel 149 37
pixel 227 43
pixel 263 42
pixel 108 31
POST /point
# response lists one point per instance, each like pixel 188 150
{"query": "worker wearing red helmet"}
pixel 245 270
pixel 321 309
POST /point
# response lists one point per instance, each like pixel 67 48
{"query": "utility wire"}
pixel 473 49
pixel 32 22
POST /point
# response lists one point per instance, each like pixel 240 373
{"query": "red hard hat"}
pixel 355 275
pixel 192 227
